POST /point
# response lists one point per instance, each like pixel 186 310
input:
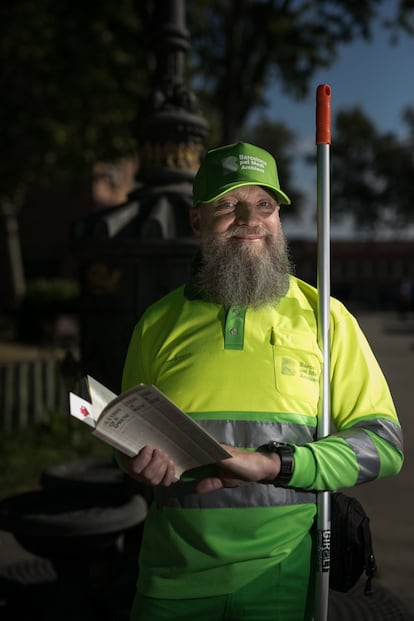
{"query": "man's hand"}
pixel 243 467
pixel 151 466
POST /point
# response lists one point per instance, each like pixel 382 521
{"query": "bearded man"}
pixel 237 349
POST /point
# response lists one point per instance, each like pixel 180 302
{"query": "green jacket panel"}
pixel 250 376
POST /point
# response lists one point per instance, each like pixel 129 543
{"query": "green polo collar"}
pixel 235 315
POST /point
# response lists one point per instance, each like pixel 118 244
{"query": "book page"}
pixel 144 416
pixel 82 409
pixel 100 395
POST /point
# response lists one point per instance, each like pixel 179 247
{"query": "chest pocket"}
pixel 297 363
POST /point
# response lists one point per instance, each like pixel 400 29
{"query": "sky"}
pixel 373 75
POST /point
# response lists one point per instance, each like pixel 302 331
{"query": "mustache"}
pixel 246 230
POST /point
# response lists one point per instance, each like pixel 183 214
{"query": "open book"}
pixel 144 416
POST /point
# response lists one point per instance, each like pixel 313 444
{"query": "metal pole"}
pixel 323 141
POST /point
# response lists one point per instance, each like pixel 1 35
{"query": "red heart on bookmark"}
pixel 84 411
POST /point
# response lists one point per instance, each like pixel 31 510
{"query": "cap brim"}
pixel 283 198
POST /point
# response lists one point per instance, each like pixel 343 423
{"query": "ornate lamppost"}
pixel 131 254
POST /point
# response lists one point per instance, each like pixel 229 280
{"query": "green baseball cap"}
pixel 233 166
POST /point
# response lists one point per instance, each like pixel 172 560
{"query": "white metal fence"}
pixel 29 390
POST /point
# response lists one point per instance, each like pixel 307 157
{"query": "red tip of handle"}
pixel 323 114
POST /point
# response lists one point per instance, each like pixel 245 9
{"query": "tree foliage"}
pixel 72 74
pixel 70 77
pixel 280 141
pixel 241 46
pixel 372 173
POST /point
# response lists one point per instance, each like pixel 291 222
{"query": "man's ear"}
pixel 195 221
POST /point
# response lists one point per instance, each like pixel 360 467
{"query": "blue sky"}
pixel 374 75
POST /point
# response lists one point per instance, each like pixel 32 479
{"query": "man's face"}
pixel 244 255
pixel 244 217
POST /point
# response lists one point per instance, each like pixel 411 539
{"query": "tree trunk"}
pixel 14 282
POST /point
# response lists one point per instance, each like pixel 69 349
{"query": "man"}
pixel 237 349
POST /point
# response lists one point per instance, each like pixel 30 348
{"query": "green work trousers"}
pixel 284 592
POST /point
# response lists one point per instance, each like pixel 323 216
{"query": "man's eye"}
pixel 225 207
pixel 266 205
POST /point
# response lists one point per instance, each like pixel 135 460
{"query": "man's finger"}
pixel 209 485
pixel 213 483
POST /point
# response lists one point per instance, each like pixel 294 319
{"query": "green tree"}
pixel 395 163
pixel 72 74
pixel 70 77
pixel 241 46
pixel 280 141
pixel 372 173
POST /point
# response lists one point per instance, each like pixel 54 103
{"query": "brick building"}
pixel 365 273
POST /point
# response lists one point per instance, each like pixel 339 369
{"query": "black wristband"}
pixel 287 461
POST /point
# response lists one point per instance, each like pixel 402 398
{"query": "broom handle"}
pixel 323 141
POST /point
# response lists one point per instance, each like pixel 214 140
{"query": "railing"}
pixel 30 390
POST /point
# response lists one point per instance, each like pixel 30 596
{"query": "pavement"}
pixel 389 503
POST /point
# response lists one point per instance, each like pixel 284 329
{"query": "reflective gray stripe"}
pixel 366 452
pixel 251 434
pixel 385 429
pixel 182 495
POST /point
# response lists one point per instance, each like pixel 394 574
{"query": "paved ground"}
pixel 389 503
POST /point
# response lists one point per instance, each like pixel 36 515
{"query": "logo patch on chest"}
pixel 303 370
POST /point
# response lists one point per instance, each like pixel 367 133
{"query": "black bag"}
pixel 351 544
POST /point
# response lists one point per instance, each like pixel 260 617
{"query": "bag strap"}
pixel 370 562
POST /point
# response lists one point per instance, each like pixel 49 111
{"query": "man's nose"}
pixel 246 214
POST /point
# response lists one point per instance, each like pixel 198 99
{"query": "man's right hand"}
pixel 151 466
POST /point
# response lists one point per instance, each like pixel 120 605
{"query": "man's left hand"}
pixel 243 467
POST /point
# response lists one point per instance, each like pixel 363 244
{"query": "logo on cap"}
pixel 229 165
pixel 252 162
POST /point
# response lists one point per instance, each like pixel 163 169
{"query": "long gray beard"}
pixel 237 276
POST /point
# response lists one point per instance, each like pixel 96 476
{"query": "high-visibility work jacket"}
pixel 250 376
